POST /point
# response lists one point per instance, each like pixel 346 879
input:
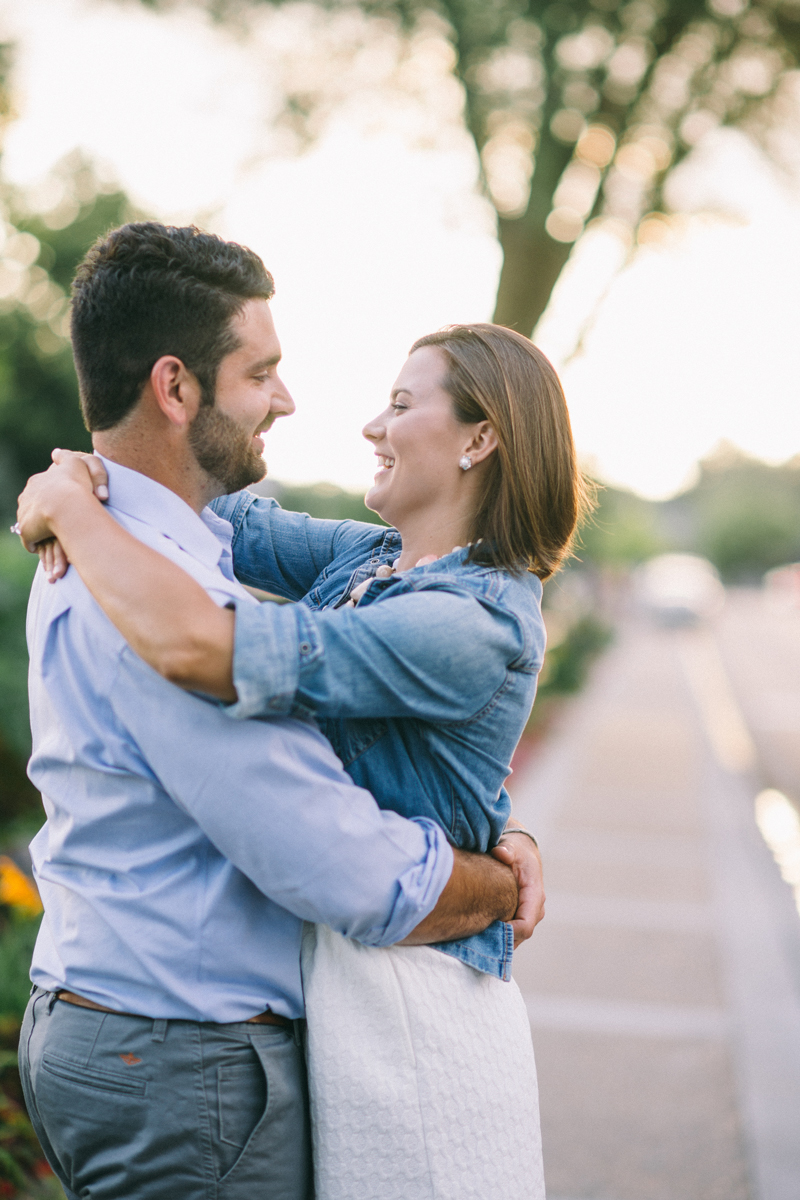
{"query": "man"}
pixel 182 851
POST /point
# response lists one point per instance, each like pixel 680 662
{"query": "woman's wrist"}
pixel 516 828
pixel 68 504
pixel 51 505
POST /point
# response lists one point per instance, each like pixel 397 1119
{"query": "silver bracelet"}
pixel 519 829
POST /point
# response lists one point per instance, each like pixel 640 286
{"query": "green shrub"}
pixel 567 664
pixel 16 949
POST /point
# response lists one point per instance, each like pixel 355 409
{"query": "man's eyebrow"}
pixel 263 363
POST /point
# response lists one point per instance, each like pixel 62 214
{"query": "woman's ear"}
pixel 175 390
pixel 483 443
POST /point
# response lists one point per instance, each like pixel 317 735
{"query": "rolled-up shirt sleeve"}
pixel 273 798
pixel 432 654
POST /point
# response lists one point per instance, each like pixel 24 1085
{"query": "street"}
pixel 664 984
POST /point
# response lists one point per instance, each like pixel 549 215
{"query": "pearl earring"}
pixel 465 462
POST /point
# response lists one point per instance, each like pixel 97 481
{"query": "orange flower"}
pixel 17 890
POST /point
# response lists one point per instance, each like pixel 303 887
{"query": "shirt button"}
pixel 305 647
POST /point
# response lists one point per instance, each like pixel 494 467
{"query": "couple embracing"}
pixel 278 869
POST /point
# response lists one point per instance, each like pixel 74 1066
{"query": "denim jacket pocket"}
pixel 351 738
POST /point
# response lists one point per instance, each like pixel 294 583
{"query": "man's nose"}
pixel 282 404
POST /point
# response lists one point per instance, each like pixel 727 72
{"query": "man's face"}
pixel 250 395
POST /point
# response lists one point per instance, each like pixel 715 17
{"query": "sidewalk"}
pixel 664 985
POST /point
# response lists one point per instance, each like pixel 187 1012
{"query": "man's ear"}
pixel 482 444
pixel 176 391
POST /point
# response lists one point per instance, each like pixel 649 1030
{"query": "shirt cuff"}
pixel 418 888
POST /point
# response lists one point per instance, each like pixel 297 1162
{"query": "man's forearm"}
pixel 479 891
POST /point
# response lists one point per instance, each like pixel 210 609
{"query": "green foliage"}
pixel 18 1146
pixel 622 531
pixel 567 663
pixel 17 794
pixel 39 406
pixel 746 541
pixel 17 938
pixel 39 409
pixel 581 109
pixel 743 514
pixel 323 500
pixel 38 402
pixel 23 1170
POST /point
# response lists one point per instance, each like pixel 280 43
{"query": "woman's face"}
pixel 418 442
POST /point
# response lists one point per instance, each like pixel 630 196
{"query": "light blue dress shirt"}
pixel 183 850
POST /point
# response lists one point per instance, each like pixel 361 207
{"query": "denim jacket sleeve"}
pixel 285 552
pixel 433 653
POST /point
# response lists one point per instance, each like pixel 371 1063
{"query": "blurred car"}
pixel 783 585
pixel 679 589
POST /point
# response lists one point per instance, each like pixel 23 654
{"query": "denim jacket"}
pixel 423 699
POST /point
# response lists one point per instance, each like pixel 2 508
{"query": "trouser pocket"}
pixel 275 1159
pixel 92 1079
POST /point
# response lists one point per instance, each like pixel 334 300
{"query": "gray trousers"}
pixel 130 1108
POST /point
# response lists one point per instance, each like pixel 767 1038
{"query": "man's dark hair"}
pixel 146 290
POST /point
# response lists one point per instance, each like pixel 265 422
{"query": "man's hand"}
pixel 519 852
pixel 479 891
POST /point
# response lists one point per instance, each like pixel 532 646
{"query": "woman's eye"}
pixel 399 407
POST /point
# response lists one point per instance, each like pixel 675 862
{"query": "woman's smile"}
pixel 417 441
pixel 385 463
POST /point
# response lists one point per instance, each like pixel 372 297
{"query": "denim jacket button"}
pixel 305 647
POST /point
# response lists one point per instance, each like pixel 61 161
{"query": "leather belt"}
pixel 265 1018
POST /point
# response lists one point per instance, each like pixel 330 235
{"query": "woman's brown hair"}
pixel 534 494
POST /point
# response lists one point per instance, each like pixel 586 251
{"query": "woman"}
pixel 417 649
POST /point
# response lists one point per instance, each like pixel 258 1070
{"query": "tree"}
pixel 579 109
pixel 743 514
pixel 39 405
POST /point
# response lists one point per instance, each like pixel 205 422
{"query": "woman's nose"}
pixel 375 429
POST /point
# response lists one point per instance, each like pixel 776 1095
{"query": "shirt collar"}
pixel 205 537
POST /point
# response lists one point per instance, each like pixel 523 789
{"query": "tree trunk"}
pixel 532 260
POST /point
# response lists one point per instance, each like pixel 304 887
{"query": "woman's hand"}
pixel 72 479
pixel 520 852
pixel 384 572
pixel 70 460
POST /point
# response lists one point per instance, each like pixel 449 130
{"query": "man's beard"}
pixel 224 450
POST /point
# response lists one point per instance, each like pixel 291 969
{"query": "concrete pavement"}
pixel 664 984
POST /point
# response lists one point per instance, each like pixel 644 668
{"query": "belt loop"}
pixel 51 1000
pixel 159 1029
pixel 299 1033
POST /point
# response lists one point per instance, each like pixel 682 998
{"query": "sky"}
pixel 376 233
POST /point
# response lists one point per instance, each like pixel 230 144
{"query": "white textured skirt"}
pixel 421 1074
